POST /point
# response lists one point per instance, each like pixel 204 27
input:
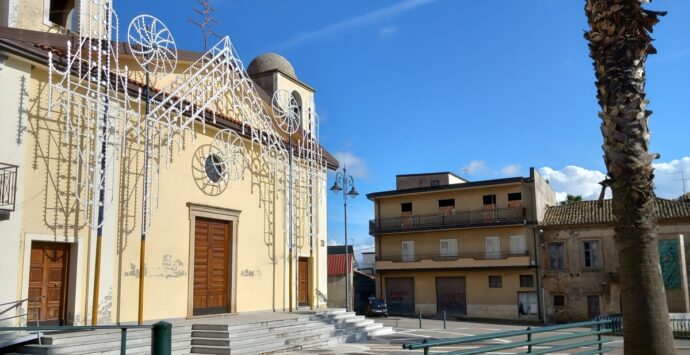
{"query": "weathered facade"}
pixel 340 280
pixel 213 245
pixel 466 248
pixel 580 259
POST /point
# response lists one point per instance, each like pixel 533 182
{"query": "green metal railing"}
pixel 680 326
pixel 600 327
pixel 161 334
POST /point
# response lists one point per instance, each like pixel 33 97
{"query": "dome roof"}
pixel 271 61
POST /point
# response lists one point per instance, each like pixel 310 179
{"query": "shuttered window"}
pixel 493 247
pixel 517 244
pixel 408 251
pixel 449 247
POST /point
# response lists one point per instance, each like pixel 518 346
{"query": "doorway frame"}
pixel 232 217
pixel 73 313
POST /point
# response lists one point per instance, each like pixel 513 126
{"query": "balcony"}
pixel 461 260
pixel 8 189
pixel 459 219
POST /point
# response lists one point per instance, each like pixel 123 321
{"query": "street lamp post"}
pixel 343 182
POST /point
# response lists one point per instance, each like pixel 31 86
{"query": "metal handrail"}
pixel 16 304
pixel 321 296
pixel 161 339
pixel 601 327
pixel 468 218
pixel 479 255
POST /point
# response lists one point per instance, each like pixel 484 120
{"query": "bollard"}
pixel 426 348
pixel 420 319
pixel 444 319
pixel 161 338
pixel 529 340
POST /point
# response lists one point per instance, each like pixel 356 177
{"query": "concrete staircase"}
pixel 302 331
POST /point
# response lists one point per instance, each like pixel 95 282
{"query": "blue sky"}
pixel 485 89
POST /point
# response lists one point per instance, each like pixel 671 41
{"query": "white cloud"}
pixel 575 180
pixel 355 165
pixel 475 166
pixel 388 31
pixel 357 21
pixel 511 170
pixel 332 242
pixel 668 177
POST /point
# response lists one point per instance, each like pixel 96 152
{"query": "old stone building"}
pixel 580 260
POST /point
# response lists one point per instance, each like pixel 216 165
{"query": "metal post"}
pixel 426 348
pixel 599 347
pixel 142 247
pixel 161 338
pixel 529 340
pixel 290 242
pixel 347 259
pixel 123 341
pixel 420 319
pixel 444 319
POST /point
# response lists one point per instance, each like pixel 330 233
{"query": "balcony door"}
pixel 493 247
pixel 408 251
pixel 518 245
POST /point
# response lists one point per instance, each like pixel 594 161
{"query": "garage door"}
pixel 400 295
pixel 451 295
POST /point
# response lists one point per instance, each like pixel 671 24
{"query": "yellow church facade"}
pixel 235 204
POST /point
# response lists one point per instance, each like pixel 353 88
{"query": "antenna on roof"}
pixel 207 20
pixel 683 179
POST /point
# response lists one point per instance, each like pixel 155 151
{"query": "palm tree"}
pixel 571 199
pixel 619 43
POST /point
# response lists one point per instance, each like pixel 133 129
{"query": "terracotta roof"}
pixel 589 212
pixel 35 46
pixel 336 264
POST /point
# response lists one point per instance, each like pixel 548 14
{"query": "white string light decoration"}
pixel 286 111
pixel 152 45
pixel 87 87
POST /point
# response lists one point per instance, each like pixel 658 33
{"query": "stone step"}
pixel 137 346
pixel 102 335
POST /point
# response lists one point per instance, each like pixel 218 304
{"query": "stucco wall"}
pixel 575 282
pixel 482 301
pixel 15 78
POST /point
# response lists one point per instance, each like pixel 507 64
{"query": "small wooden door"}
pixel 303 281
pixel 593 306
pixel 211 244
pixel 48 283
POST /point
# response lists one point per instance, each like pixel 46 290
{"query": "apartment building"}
pixel 445 244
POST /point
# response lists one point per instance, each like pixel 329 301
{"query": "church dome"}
pixel 269 62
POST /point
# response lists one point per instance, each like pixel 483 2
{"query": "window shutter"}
pixel 408 251
pixel 444 247
pixel 517 244
pixel 493 247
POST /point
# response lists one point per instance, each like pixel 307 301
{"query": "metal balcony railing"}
pixel 458 219
pixel 479 255
pixel 8 187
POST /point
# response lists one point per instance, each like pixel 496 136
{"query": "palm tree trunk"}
pixel 619 44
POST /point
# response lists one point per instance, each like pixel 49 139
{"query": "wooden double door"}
pixel 303 281
pixel 48 283
pixel 211 266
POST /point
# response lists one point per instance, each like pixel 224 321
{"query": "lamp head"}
pixel 353 193
pixel 336 187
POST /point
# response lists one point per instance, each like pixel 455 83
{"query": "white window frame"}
pixel 407 251
pixel 515 241
pixel 496 252
pixel 451 247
